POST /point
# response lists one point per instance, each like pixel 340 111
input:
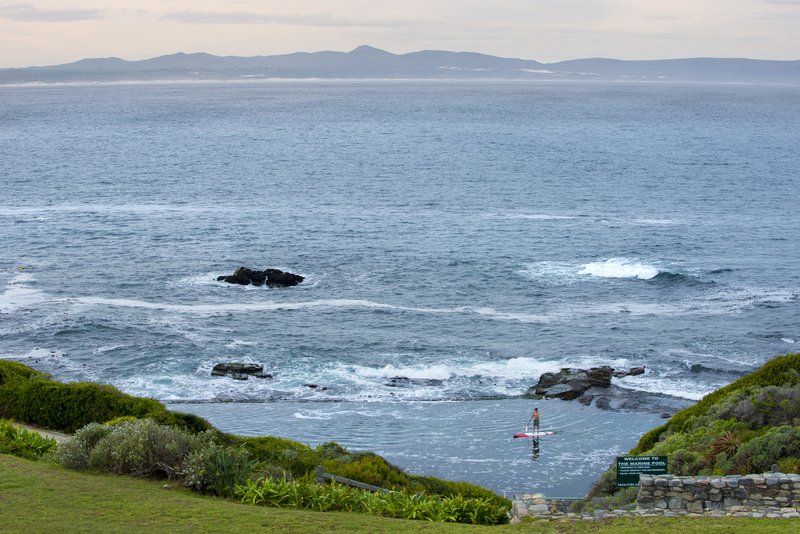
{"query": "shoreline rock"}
pixel 593 386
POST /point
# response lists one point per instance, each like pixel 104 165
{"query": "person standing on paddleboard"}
pixel 535 418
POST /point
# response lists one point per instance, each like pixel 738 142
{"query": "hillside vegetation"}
pixel 745 427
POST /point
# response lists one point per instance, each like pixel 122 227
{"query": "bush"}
pixel 23 443
pixel 74 452
pixel 13 370
pixel 790 464
pixel 143 448
pixel 28 396
pixel 770 448
pixel 217 469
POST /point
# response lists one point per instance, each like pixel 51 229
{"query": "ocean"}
pixel 467 236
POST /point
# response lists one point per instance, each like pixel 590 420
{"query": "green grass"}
pixel 41 497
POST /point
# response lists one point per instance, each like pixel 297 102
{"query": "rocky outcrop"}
pixel 272 277
pixel 593 386
pixel 239 371
pixel 569 383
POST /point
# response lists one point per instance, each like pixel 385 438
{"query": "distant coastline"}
pixel 369 63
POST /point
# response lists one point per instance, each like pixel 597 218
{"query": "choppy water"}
pixel 472 234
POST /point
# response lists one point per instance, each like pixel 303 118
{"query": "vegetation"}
pixel 42 497
pixel 32 397
pixel 23 443
pixel 744 427
pixel 335 497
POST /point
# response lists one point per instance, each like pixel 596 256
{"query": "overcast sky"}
pixel 46 32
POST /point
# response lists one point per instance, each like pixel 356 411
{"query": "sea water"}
pixel 467 236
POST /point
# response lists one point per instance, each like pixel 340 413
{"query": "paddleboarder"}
pixel 535 418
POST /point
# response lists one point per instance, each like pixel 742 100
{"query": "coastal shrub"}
pixel 28 396
pixel 685 463
pixel 74 452
pixel 273 450
pixel 23 443
pixel 790 464
pixel 451 488
pixel 370 469
pixel 13 370
pixel 142 448
pixel 770 405
pixel 770 448
pixel 217 469
pixel 335 497
pixel 779 371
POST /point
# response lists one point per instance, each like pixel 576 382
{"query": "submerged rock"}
pixel 272 277
pixel 239 371
pixel 404 381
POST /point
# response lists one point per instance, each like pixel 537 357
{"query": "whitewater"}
pixel 457 240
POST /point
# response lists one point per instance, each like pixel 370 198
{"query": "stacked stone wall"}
pixel 768 493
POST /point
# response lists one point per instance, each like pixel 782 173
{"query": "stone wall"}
pixel 768 493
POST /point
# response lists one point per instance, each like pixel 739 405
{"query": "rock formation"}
pixel 239 371
pixel 271 277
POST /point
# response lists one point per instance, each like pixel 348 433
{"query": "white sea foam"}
pixel 620 268
pixel 787 340
pixel 145 209
pixel 18 294
pixel 674 387
pixel 437 371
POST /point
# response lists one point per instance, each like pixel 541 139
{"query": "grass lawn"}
pixel 42 497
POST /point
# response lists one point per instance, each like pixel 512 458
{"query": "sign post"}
pixel 630 467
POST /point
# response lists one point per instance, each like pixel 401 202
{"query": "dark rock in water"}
pixel 277 278
pixel 404 381
pixel 271 277
pixel 239 371
pixel 633 371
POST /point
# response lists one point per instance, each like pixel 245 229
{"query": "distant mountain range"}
pixel 368 62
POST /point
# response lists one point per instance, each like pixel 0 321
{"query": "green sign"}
pixel 630 467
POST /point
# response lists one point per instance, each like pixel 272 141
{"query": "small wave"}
pixel 620 268
pixel 654 222
pixel 438 371
pixel 538 217
pixel 720 271
pixel 788 340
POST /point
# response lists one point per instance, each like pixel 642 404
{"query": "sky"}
pixel 48 32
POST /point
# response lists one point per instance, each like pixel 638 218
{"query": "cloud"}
pixel 783 2
pixel 248 17
pixel 30 13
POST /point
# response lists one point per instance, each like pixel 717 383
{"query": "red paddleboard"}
pixel 532 434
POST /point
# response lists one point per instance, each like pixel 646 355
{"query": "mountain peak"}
pixel 370 50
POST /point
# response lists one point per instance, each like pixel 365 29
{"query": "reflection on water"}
pixel 458 440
